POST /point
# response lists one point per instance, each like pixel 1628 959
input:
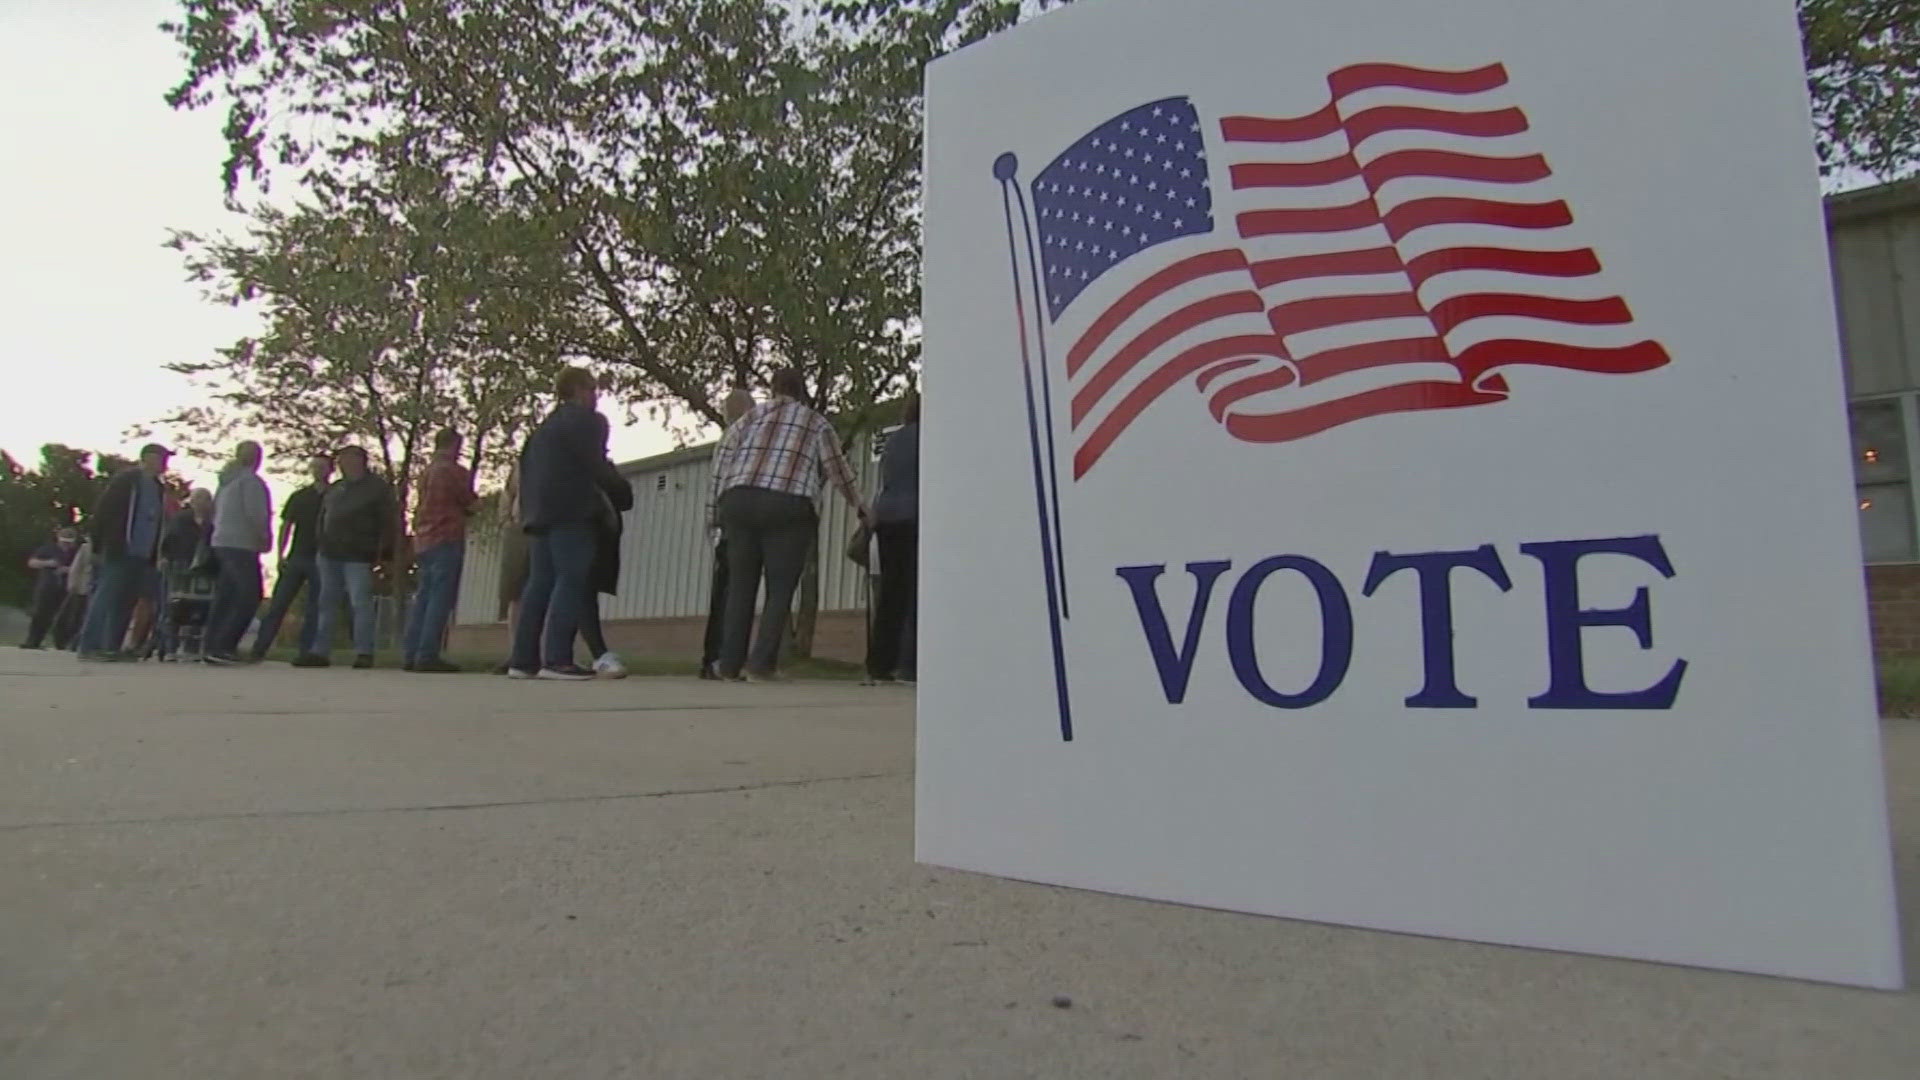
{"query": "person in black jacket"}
pixel 564 472
pixel 356 529
pixel 125 532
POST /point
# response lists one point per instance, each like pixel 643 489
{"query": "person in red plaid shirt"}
pixel 766 474
pixel 440 546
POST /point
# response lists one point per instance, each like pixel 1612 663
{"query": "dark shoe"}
pixel 565 673
pixel 99 657
pixel 707 673
pixel 311 660
pixel 362 662
pixel 30 648
pixel 221 659
pixel 407 666
pixel 436 666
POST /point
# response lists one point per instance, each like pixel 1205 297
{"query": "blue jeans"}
pixel 438 587
pixel 559 561
pixel 351 582
pixel 236 598
pixel 296 573
pixel 117 582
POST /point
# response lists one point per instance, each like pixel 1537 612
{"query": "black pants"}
pixel 66 625
pixel 768 531
pixel 716 608
pixel 46 609
pixel 890 650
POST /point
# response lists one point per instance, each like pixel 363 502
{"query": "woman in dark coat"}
pixel 604 578
pixel 896 527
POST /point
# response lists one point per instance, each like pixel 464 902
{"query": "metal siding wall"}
pixel 1870 309
pixel 1903 243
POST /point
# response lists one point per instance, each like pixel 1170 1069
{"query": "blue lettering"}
pixel 1175 666
pixel 1436 613
pixel 1336 635
pixel 1566 619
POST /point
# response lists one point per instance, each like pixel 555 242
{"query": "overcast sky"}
pixel 97 169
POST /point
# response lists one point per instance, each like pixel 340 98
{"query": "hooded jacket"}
pixel 242 511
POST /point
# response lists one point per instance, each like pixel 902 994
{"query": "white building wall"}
pixel 666 557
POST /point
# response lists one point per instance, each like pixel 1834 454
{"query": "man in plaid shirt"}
pixel 766 474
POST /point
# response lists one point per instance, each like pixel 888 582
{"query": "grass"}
pixel 638 666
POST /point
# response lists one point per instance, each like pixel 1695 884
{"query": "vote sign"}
pixel 1386 464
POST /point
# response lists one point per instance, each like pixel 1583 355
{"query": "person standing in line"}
pixel 564 472
pixel 298 548
pixel 125 531
pixel 896 526
pixel 357 517
pixel 513 557
pixel 739 401
pixel 51 562
pixel 66 625
pixel 188 580
pixel 604 578
pixel 440 545
pixel 242 532
pixel 766 474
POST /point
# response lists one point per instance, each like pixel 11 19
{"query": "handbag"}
pixel 859 544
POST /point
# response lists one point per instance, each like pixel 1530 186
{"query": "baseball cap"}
pixel 155 448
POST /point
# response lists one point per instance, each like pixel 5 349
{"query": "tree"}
pixel 33 503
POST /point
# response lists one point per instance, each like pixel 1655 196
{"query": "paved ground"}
pixel 277 873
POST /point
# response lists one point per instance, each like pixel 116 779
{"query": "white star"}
pixel 1146 159
pixel 1167 164
pixel 1076 217
pixel 1114 254
pixel 1154 186
pixel 1084 275
pixel 1083 166
pixel 1081 246
pixel 1178 223
pixel 1185 173
pixel 1180 145
pixel 1109 226
pixel 1135 180
pixel 1102 170
pixel 1162 140
pixel 1191 202
pixel 1157 111
pixel 1128 231
pixel 1124 126
pixel 1156 215
pixel 1104 196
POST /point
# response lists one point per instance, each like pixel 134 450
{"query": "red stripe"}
pixel 1325 365
pixel 1564 264
pixel 1206 378
pixel 1275 130
pixel 1406 397
pixel 1156 384
pixel 1157 335
pixel 1454 166
pixel 1492 124
pixel 1380 260
pixel 1333 362
pixel 1424 212
pixel 1304 174
pixel 1174 276
pixel 1477 360
pixel 1450 314
pixel 1318 314
pixel 1320 220
pixel 1352 80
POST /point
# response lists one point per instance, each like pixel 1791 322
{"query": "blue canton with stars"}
pixel 1137 180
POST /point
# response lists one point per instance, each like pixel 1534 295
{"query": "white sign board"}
pixel 1386 465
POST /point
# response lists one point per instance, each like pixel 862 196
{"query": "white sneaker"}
pixel 517 673
pixel 609 667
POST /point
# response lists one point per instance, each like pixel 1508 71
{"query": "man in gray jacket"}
pixel 242 531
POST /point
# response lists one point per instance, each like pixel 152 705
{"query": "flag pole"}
pixel 1004 169
pixel 1046 398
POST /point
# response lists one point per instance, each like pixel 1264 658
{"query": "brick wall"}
pixel 1893 608
pixel 839 635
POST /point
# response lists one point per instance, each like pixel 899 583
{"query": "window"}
pixel 1881 480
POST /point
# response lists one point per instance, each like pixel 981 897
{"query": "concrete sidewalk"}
pixel 277 873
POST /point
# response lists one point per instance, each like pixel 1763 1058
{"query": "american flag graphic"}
pixel 1392 251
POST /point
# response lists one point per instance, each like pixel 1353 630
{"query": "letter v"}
pixel 1175 667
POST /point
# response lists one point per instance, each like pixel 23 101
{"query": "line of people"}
pixel 199 566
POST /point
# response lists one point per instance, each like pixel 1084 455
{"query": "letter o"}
pixel 1336 632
